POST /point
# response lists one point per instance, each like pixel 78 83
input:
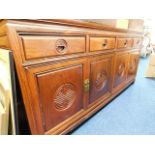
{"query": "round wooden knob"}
pixel 105 43
pixel 126 42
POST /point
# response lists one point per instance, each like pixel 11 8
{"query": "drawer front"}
pixel 137 42
pixel 46 46
pixel 124 42
pixel 100 43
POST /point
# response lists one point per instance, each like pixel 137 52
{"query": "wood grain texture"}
pixel 59 74
pixel 3 28
pixel 137 42
pixel 124 42
pixel 100 76
pixel 65 84
pixel 4 42
pixel 133 64
pixel 101 26
pixel 45 46
pixel 62 96
pixel 31 109
pixel 101 43
pixel 120 71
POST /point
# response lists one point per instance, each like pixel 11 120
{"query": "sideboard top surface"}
pixel 74 22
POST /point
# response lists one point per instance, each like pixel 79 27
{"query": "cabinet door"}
pixel 133 65
pixel 100 77
pixel 121 62
pixel 57 89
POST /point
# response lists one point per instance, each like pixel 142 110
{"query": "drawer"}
pixel 46 46
pixel 124 42
pixel 101 43
pixel 137 42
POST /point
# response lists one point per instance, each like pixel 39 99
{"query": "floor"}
pixel 131 113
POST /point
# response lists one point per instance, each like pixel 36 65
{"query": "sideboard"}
pixel 69 69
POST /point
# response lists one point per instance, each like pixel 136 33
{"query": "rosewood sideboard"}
pixel 69 69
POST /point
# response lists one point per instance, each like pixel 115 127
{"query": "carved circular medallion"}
pixel 121 70
pixel 61 46
pixel 101 80
pixel 64 96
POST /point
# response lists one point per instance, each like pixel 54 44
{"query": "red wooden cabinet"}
pixel 68 69
pixel 100 77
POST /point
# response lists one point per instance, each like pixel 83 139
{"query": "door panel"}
pixel 100 77
pixel 59 89
pixel 133 64
pixel 120 69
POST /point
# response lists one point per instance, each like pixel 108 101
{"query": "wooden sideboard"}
pixel 69 69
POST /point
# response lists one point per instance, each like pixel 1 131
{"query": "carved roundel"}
pixel 64 97
pixel 101 80
pixel 61 46
pixel 121 69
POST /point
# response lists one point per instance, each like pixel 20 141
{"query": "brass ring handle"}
pixel 61 46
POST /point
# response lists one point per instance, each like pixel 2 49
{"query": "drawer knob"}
pixel 126 42
pixel 61 46
pixel 105 43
